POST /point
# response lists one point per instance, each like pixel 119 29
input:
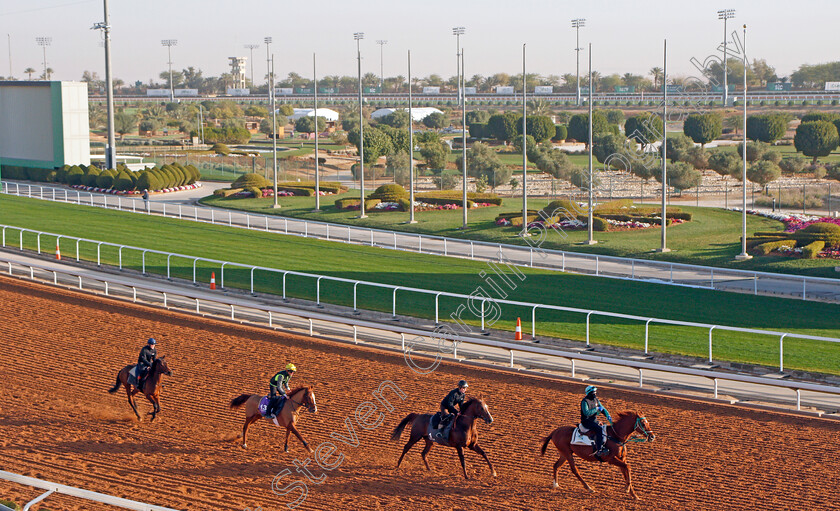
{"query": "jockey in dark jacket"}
pixel 590 407
pixel 279 385
pixel 448 410
pixel 144 362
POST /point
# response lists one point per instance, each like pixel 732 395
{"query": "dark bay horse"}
pixel 151 388
pixel 464 432
pixel 618 434
pixel 288 416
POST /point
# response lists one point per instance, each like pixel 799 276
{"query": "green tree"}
pixel 554 162
pixel 676 146
pixel 755 150
pixel 483 161
pixel 766 127
pixel 645 128
pixel 580 177
pixel 531 144
pixel 682 176
pixel 479 130
pixel 540 127
pixel 397 164
pixel 815 139
pixel 306 124
pixel 561 132
pixel 435 152
pixel 819 116
pixel 606 145
pixel 725 163
pixel 579 126
pixel 285 110
pixel 696 157
pixel 396 119
pixel 435 120
pixel 256 111
pixel 124 123
pixel 615 116
pixel 265 125
pixel 398 137
pixel 703 128
pixel 763 172
pixel 376 143
pixel 477 116
pixel 504 126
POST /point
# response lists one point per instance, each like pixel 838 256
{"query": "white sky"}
pixel 627 35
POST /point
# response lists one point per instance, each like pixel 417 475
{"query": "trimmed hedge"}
pixel 599 224
pixel 389 193
pixel 324 186
pixel 300 192
pixel 226 192
pixel 813 249
pixel 456 197
pixel 347 203
pixel 256 192
pixel 766 248
pixel 405 204
pixel 251 179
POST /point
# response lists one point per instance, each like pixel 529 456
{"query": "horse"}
pixel 151 388
pixel 618 435
pixel 288 415
pixel 464 432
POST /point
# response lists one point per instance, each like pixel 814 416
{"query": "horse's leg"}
pixel 286 444
pixel 408 445
pixel 477 448
pixel 557 465
pixel 426 449
pixel 131 402
pixel 463 463
pixel 248 421
pixel 151 399
pixel 575 471
pixel 300 437
pixel 625 469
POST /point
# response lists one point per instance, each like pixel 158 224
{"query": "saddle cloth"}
pixel 440 434
pixel 266 402
pixel 579 435
pixel 132 376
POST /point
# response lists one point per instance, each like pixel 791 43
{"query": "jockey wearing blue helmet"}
pixel 590 407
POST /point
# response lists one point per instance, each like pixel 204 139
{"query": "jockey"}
pixel 144 362
pixel 448 412
pixel 590 407
pixel 278 386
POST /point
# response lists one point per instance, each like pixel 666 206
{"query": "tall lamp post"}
pixel 273 98
pixel 576 24
pixel 358 36
pixel 461 86
pixel 458 32
pixel 169 43
pixel 664 219
pixel 411 219
pixel 381 43
pixel 590 219
pixel 110 148
pixel 317 168
pixel 524 150
pixel 252 47
pixel 43 42
pixel 725 14
pixel 743 256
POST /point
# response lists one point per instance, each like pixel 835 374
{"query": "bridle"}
pixel 310 407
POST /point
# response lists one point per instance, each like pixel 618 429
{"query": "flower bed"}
pixel 135 192
pixel 811 244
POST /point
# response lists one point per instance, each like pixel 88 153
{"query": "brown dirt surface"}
pixel 62 351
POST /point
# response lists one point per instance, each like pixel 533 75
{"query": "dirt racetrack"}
pixel 61 352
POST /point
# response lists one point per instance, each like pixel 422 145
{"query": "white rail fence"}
pixel 476 303
pixel 361 330
pixel 55 488
pixel 722 279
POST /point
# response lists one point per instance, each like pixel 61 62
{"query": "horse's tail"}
pixel 239 401
pixel 116 385
pixel 401 426
pixel 545 442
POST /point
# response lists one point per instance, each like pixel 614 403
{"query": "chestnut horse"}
pixel 287 417
pixel 618 435
pixel 151 387
pixel 464 432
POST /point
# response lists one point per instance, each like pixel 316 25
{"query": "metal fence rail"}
pixel 476 302
pixel 76 492
pixel 720 279
pixel 359 330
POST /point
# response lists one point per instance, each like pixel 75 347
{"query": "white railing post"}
pixel 195 261
pixel 712 272
pixel 318 291
pixel 798 400
pixel 710 343
pixel 647 336
pixel 395 240
pixel 247 221
pixel 164 299
pixel 587 327
pixel 444 246
pixel 573 367
pixel 804 284
pixel 355 308
pixel 284 284
pixel 482 314
pixel 270 320
pixel 782 353
pixel 197 310
pixel 232 312
pixel 640 378
pixel 252 279
pixel 143 259
pixel 437 309
pixel 310 327
pixel 716 387
pixel 119 254
pixel 134 294
pixel 222 275
pixel 511 358
pixel 534 323
pixel 394 304
pixel 168 257
pixel 179 212
pixel 98 254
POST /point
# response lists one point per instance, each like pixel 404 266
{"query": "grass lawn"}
pixel 712 238
pixel 446 274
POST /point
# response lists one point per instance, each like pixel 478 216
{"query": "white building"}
pixel 417 113
pixel 237 71
pixel 326 113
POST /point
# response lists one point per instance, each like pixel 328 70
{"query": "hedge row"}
pixel 767 247
pixel 324 186
pixel 226 192
pixel 121 178
pixel 813 249
pixel 348 203
pixel 455 197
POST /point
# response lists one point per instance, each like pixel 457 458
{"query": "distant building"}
pixel 237 71
pixel 326 113
pixel 417 113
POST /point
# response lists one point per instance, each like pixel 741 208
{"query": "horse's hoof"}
pixel 244 446
pixel 285 448
pixel 555 485
pixel 494 474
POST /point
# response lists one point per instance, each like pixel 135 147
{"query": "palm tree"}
pixel 656 72
pixel 29 72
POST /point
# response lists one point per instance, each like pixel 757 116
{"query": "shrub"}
pixel 346 203
pixel 556 208
pixel 251 179
pixel 256 192
pixel 813 249
pixel 123 182
pixel 455 197
pixel 767 247
pixel 793 165
pixel 104 180
pixel 220 149
pixel 10 504
pixel 389 193
pixel 89 178
pixel 405 204
pixel 226 192
pixel 763 172
pixel 828 232
pixel 599 224
pixel 296 190
pixel 560 132
pixel 621 206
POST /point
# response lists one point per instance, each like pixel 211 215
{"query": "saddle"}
pixel 440 425
pixel 268 403
pixel 582 435
pixel 132 376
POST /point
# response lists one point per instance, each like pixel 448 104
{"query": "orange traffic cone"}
pixel 57 252
pixel 518 330
pixel 213 280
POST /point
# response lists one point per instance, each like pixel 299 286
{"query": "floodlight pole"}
pixel 411 219
pixel 524 150
pixel 252 47
pixel 43 42
pixel 169 43
pixel 590 219
pixel 461 87
pixel 381 43
pixel 664 219
pixel 317 168
pixel 743 256
pixel 576 24
pixel 358 36
pixel 724 15
pixel 110 148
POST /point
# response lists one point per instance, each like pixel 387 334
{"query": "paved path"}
pixel 288 316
